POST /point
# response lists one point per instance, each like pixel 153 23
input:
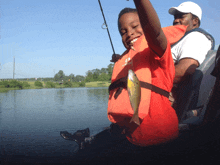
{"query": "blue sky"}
pixel 46 36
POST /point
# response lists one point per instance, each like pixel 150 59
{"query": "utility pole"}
pixel 14 69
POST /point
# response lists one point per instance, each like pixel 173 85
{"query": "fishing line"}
pixel 106 26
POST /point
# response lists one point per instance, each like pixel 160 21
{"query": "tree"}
pixel 110 69
pixel 38 84
pixel 79 78
pixel 89 76
pixel 59 76
pixel 103 77
pixel 95 74
pixel 71 77
pixel 104 70
pixel 56 77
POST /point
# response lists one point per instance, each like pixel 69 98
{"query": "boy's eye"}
pixel 135 26
pixel 123 32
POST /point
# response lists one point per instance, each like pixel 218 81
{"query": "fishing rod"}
pixel 106 26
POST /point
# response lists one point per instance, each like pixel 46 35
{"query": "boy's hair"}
pixel 123 11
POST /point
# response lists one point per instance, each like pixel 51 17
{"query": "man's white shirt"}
pixel 195 45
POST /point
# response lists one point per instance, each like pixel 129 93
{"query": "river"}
pixel 31 120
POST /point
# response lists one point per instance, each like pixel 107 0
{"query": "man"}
pixel 190 52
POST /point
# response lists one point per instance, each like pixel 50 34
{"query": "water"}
pixel 31 120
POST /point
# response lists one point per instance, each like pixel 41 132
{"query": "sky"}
pixel 46 36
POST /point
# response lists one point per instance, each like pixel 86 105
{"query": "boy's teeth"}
pixel 134 40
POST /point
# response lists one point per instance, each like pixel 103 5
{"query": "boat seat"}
pixel 194 92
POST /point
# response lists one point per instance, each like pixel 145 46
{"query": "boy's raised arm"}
pixel 151 26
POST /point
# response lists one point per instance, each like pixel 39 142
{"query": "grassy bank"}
pixel 32 85
pixel 3 90
pixel 97 84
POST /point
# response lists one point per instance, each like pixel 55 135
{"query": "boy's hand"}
pixel 117 130
pixel 115 58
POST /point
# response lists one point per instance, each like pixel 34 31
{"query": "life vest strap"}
pixel 122 83
pixel 154 88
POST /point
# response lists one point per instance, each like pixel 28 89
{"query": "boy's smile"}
pixel 130 29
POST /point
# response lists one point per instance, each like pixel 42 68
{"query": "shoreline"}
pixel 32 86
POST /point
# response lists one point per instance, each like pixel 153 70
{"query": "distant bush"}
pixel 5 84
pixel 11 84
pixel 58 83
pixel 101 84
pixel 38 84
pixel 16 84
pixel 75 84
pixel 50 84
pixel 67 84
pixel 26 84
pixel 82 84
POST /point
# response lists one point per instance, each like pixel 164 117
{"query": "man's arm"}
pixel 192 52
pixel 185 67
pixel 151 26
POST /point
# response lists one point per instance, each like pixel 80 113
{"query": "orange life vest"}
pixel 119 109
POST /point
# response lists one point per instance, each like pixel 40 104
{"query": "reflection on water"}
pixel 31 119
pixel 60 96
pixel 99 94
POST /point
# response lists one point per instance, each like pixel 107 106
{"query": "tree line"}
pixel 60 79
pixel 103 74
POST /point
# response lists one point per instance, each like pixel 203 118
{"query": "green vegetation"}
pixel 5 89
pixel 38 84
pixel 97 84
pixel 11 84
pixel 67 84
pixel 103 74
pixel 94 78
pixel 50 84
pixel 82 84
pixel 15 84
pixel 26 84
pixel 5 86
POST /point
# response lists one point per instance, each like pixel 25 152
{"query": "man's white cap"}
pixel 187 7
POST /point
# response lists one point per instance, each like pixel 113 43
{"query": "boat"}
pixel 195 92
pixel 195 135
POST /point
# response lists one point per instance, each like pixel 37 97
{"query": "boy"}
pixel 148 54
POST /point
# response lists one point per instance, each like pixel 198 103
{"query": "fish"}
pixel 134 92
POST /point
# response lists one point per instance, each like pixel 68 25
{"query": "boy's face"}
pixel 130 28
